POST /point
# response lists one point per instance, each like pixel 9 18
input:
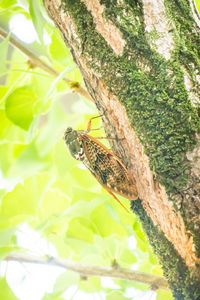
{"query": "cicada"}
pixel 105 165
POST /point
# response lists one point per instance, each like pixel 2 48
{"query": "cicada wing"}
pixel 108 168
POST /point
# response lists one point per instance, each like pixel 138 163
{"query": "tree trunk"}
pixel 140 63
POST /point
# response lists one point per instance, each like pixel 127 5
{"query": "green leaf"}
pixel 64 281
pixel 18 70
pixel 157 270
pixel 198 5
pixel 64 250
pixel 105 224
pixel 21 106
pixel 8 154
pixel 52 130
pixel 145 266
pixel 29 162
pixel 90 285
pixel 164 295
pixel 92 259
pixel 7 237
pixel 58 50
pixel 3 91
pixel 63 162
pixel 52 297
pixel 22 203
pixel 127 258
pixel 109 248
pixel 116 295
pixel 38 20
pixel 142 242
pixel 5 291
pixel 140 286
pixel 8 132
pixel 80 229
pixel 4 251
pixel 6 3
pixel 53 203
pixel 83 209
pixel 76 245
pixel 5 125
pixel 3 55
pixel 42 83
pixel 7 242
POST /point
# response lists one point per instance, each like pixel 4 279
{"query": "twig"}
pixel 35 61
pixel 86 271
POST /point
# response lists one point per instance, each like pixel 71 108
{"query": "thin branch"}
pixel 154 281
pixel 35 61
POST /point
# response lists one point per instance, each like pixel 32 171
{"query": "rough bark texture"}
pixel 140 63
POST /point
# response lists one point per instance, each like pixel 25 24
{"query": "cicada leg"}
pixel 90 123
pixel 109 191
pixel 98 137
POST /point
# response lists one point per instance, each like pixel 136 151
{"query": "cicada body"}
pixel 106 166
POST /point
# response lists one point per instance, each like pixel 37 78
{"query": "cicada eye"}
pixel 68 130
pixel 67 134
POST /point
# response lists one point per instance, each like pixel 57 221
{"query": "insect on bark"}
pixel 105 165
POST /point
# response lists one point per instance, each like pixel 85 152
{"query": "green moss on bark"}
pixel 187 36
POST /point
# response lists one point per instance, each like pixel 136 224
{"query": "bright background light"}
pixel 23 29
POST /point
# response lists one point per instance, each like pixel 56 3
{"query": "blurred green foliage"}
pixel 41 184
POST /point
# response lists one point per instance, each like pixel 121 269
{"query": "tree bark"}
pixel 140 63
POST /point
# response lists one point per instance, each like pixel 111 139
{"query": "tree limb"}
pixel 154 281
pixel 36 61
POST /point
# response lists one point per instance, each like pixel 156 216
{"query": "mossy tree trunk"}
pixel 140 62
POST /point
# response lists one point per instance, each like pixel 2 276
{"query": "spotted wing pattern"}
pixel 107 167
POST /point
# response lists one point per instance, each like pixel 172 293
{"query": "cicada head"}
pixel 71 140
pixel 70 135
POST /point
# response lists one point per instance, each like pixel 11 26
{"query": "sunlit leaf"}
pixel 116 295
pixel 37 17
pixel 164 295
pixel 80 229
pixel 5 290
pixel 65 280
pixel 28 195
pixel 128 258
pixel 4 251
pixel 90 285
pixel 8 155
pixel 90 258
pixel 52 203
pixel 110 226
pixel 6 3
pixel 9 132
pixel 52 130
pixel 19 70
pixel 29 162
pixel 21 106
pixel 7 236
pixel 58 50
